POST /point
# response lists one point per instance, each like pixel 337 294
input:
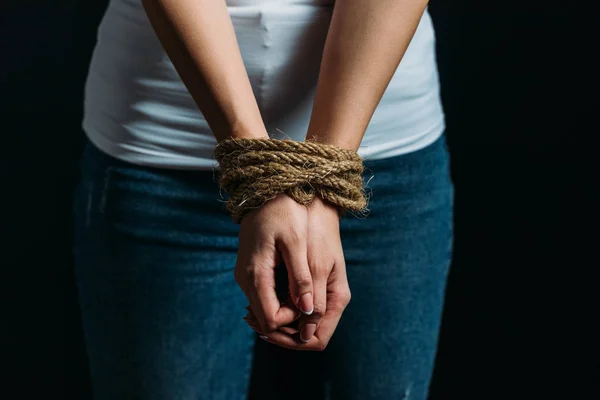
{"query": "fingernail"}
pixel 306 304
pixel 307 332
pixel 264 337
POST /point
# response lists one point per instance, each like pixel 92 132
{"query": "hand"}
pixel 330 283
pixel 276 230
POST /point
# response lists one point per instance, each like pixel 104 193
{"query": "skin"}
pixel 365 43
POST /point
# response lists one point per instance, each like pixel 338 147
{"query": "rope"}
pixel 254 171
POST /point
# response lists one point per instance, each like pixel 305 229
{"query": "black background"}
pixel 519 85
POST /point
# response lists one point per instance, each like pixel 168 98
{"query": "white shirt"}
pixel 138 110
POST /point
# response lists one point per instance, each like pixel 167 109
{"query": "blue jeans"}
pixel 162 314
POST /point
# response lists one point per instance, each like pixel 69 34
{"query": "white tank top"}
pixel 138 110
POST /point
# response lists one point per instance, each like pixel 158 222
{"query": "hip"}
pixel 186 208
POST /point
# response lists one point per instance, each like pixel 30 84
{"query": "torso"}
pixel 138 110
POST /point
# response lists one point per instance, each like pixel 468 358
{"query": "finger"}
pixel 338 297
pixel 259 269
pixel 310 323
pixel 289 312
pixel 319 341
pixel 251 319
pixel 271 314
pixel 285 329
pixel 254 326
pixel 252 322
pixel 288 330
pixel 243 277
pixel 299 276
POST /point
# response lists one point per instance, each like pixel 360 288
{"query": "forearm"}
pixel 365 43
pixel 199 38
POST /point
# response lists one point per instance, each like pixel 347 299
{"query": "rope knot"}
pixel 254 171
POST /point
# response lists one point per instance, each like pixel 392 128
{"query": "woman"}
pixel 157 255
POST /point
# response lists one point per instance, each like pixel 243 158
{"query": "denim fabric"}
pixel 162 314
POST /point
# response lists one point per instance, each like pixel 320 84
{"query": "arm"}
pixel 199 38
pixel 365 43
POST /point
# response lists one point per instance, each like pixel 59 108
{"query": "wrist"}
pixel 248 131
pixel 241 130
pixel 347 141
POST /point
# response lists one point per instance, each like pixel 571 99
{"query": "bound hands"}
pixel 307 240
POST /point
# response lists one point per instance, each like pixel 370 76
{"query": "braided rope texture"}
pixel 254 171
